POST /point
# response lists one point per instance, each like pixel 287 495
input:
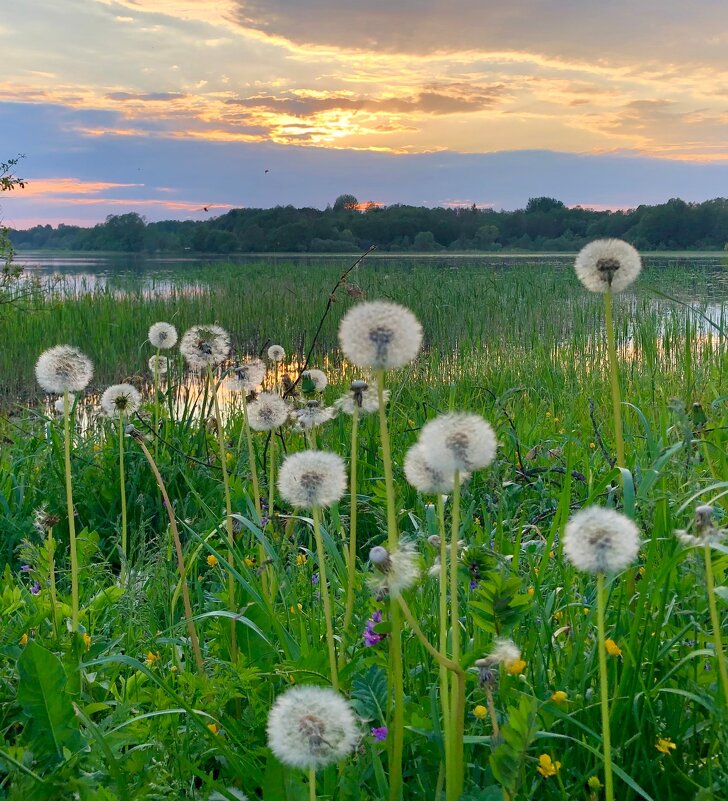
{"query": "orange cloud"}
pixel 49 187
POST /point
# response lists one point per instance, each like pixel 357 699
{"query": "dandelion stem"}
pixel 252 464
pixel 122 487
pixel 614 378
pixel 444 678
pixel 351 561
pixel 457 704
pixel 325 596
pixel 396 675
pixel 715 622
pixel 312 784
pixel 71 518
pixel 51 550
pixel 604 690
pixel 156 405
pixel 442 660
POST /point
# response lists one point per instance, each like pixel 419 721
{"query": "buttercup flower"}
pixel 311 727
pixel 312 478
pixel 63 369
pixel 363 397
pixel 276 353
pixel 267 411
pixel 607 263
pixel 120 399
pixel 612 648
pixel 212 560
pixel 458 441
pixel 664 745
pixel 396 571
pixel 480 712
pixel 599 540
pixel 546 767
pixel 162 336
pixel 381 335
pixel 559 697
pixel 205 345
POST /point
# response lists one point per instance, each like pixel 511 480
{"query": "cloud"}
pixel 65 187
pixel 148 96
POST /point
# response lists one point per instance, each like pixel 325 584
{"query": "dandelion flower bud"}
pixel 458 441
pixel 205 345
pixel 267 411
pixel 312 478
pixel 317 378
pixel 380 335
pixel 362 397
pixel 599 540
pixel 313 414
pixel 423 476
pixel 120 399
pixel 63 369
pixel 162 336
pixel 276 353
pixel 607 263
pixel 247 376
pixel 159 364
pixel 397 570
pixel 311 727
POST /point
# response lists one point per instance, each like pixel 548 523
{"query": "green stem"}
pixel 325 596
pixel 71 518
pixel 715 622
pixel 51 550
pixel 156 406
pixel 457 714
pixel 396 676
pixel 604 691
pixel 312 784
pixel 614 378
pixel 444 677
pixel 351 566
pixel 252 464
pixel 440 658
pixel 122 486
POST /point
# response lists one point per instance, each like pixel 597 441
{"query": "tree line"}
pixel 546 224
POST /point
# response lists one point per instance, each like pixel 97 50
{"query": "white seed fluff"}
pixel 606 262
pixel 120 399
pixel 63 369
pixel 504 652
pixel 267 411
pixel 276 353
pixel 458 441
pixel 162 335
pixel 317 378
pixel 247 376
pixel 599 540
pixel 394 571
pixel 311 727
pixel 381 335
pixel 312 478
pixel 205 345
pixel 425 477
pixel 366 400
pixel 160 364
pixel 239 795
pixel 58 405
pixel 312 415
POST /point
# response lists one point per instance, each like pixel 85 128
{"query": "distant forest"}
pixel 545 224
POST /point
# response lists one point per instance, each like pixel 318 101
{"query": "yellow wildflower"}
pixel 592 445
pixel 212 560
pixel 559 614
pixel 301 559
pixel 531 592
pixel 151 658
pixel 249 562
pixel 560 697
pixel 516 667
pixel 612 648
pixel 87 640
pixel 296 608
pixel 664 745
pixel 23 640
pixel 480 712
pixel 213 728
pixel 546 767
pixel 586 610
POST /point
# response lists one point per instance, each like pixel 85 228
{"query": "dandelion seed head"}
pixel 312 414
pixel 381 335
pixel 317 378
pixel 58 403
pixel 362 397
pixel 311 727
pixel 424 476
pixel 159 364
pixel 607 262
pixel 205 345
pixel 247 376
pixel 458 441
pixel 162 335
pixel 396 570
pixel 276 353
pixel 120 399
pixel 312 478
pixel 267 411
pixel 599 540
pixel 63 369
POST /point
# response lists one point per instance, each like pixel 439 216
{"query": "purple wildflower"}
pixel 473 584
pixel 379 733
pixel 25 569
pixel 315 579
pixel 35 589
pixel 370 636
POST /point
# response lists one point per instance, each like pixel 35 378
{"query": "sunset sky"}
pixel 166 106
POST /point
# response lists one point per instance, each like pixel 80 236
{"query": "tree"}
pixel 346 203
pixel 9 273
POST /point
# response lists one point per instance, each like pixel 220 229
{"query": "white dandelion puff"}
pixel 159 364
pixel 276 353
pixel 458 441
pixel 58 404
pixel 311 415
pixel 705 532
pixel 504 652
pixel 205 345
pixel 607 263
pixel 396 570
pixel 120 399
pixel 317 378
pixel 247 376
pixel 361 396
pixel 232 792
pixel 312 478
pixel 381 335
pixel 267 411
pixel 424 476
pixel 63 369
pixel 162 335
pixel 599 540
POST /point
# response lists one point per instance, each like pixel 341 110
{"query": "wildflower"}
pixel 212 560
pixel 86 640
pixel 380 335
pixel 151 658
pixel 296 608
pixel 425 474
pixel 205 345
pixel 599 540
pixel 594 783
pixel 25 568
pixel 267 411
pixel 506 653
pixel 560 697
pixel 459 441
pixel 314 380
pixel 480 712
pixel 546 767
pixel 379 733
pixel 162 335
pixel 311 727
pixel 531 592
pixel 371 637
pixel 592 445
pixel 35 588
pixel 23 641
pixel 276 353
pixel 612 648
pixel 312 478
pixel 313 414
pixel 301 559
pixel 159 364
pixel 607 263
pixel 514 668
pixel 397 570
pixel 363 397
pixel 249 561
pixel 120 399
pixel 213 727
pixel 664 745
pixel 247 376
pixel 63 369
